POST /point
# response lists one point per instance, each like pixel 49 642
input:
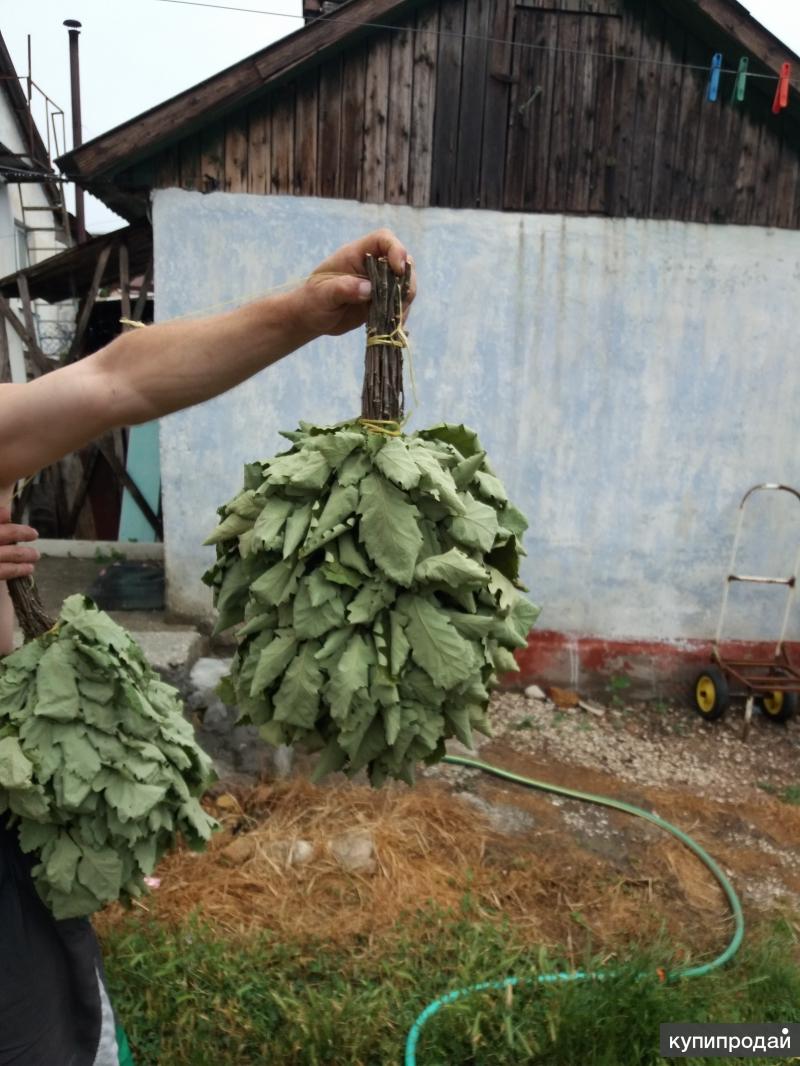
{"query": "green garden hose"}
pixel 580 975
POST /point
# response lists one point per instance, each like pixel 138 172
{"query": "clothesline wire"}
pixel 333 17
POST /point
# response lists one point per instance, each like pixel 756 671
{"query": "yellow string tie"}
pixel 396 339
pixel 132 322
pixel 390 427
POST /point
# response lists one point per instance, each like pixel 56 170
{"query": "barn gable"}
pixel 570 106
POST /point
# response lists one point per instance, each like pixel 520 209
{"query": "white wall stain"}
pixel 630 380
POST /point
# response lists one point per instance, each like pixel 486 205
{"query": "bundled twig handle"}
pixel 31 615
pixel 382 397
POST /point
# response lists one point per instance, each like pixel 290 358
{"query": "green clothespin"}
pixel 741 81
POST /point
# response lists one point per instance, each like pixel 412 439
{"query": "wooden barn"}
pixel 608 191
pixel 570 106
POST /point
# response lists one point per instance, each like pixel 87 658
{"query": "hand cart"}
pixel 773 683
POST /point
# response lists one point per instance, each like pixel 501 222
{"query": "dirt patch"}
pixel 700 776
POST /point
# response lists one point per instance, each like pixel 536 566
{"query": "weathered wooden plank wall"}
pixel 446 112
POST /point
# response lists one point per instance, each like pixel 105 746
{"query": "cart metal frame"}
pixel 759 677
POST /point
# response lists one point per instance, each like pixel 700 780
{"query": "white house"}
pixel 33 222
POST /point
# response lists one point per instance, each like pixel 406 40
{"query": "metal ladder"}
pixel 27 209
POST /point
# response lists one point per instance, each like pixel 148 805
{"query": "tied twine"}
pixel 390 427
pixel 398 338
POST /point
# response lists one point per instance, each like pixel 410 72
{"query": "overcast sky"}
pixel 134 55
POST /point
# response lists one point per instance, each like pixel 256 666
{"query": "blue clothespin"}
pixel 740 85
pixel 713 81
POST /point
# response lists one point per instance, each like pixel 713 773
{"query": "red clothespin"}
pixel 782 92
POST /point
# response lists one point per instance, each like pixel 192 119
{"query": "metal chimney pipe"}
pixel 74 28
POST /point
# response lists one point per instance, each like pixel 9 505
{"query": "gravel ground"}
pixel 654 744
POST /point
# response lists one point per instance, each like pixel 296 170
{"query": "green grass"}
pixel 524 723
pixel 191 998
pixel 617 685
pixel 790 794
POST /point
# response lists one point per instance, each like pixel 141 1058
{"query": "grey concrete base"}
pixel 100 550
pixel 171 649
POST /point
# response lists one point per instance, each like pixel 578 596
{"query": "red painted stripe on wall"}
pixel 588 665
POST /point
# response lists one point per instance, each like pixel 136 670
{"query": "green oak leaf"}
pixel 436 645
pixel 297 700
pixel 388 528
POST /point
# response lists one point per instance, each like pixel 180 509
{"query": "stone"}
pixel 301 852
pixel 354 851
pixel 252 756
pixel 592 708
pixel 228 783
pixel 255 760
pixel 283 760
pixel 288 852
pixel 564 698
pixel 239 850
pixel 533 692
pixel 168 650
pixel 223 767
pixel 503 817
pixel 217 717
pixel 206 674
pixel 455 747
pixel 244 736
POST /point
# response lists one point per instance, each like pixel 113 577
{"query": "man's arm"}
pixel 151 372
pixel 16 560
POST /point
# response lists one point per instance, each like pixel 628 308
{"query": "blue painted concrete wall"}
pixel 630 380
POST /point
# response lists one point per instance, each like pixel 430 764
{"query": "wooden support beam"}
pixel 87 304
pixel 5 355
pixel 125 312
pixel 83 491
pixel 21 501
pixel 40 360
pixel 27 306
pixel 106 447
pixel 124 283
pixel 55 474
pixel 141 301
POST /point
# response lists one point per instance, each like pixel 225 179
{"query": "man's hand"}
pixel 336 304
pixel 16 559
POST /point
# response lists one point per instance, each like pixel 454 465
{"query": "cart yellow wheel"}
pixel 711 694
pixel 779 706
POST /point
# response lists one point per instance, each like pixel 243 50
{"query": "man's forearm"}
pixel 140 376
pixel 156 371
